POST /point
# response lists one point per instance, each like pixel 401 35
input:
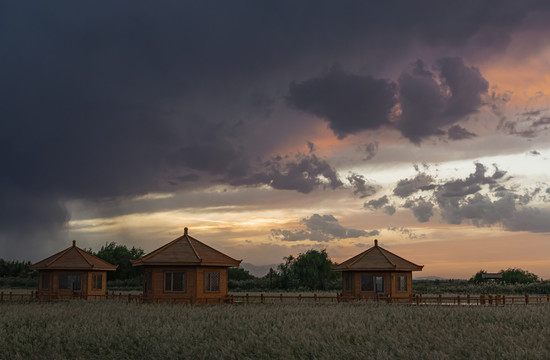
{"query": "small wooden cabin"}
pixel 185 270
pixel 72 273
pixel 376 272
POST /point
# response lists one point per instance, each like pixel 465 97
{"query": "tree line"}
pixel 311 270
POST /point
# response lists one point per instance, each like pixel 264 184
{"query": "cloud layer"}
pixel 106 102
pixel 320 228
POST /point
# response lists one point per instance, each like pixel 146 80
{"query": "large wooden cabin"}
pixel 376 272
pixel 185 270
pixel 72 273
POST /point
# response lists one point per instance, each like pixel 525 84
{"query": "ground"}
pixel 117 330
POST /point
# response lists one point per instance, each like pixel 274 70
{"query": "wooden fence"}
pixel 271 298
pixel 35 296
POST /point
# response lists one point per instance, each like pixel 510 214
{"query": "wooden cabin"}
pixel 376 272
pixel 72 273
pixel 185 270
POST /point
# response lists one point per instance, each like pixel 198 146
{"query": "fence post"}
pixel 526 299
pixel 1 297
pixel 468 299
pixel 247 298
pixel 299 297
pixel 338 297
pixel 547 297
pixel 11 295
pixel 262 298
pixel 281 297
pixel 458 299
pixel 440 299
pixel 417 299
pixel 314 298
pixel 482 299
pixel 503 299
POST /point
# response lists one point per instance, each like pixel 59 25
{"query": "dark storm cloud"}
pixel 407 187
pixel 457 132
pixel 483 200
pixel 104 101
pixel 321 228
pixel 429 103
pixel 422 209
pixel 350 103
pixel 377 203
pixel 304 173
pixel 360 186
pixel 407 232
pixel 526 125
pixel 371 149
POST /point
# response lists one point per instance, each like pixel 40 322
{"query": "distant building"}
pixel 185 270
pixel 72 273
pixel 491 276
pixel 376 271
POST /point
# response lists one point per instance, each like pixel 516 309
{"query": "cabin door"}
pixel 379 284
pixel 77 283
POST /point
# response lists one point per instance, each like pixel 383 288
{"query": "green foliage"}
pixel 311 270
pixel 239 274
pixel 478 277
pixel 518 276
pixel 458 287
pixel 18 282
pixel 120 255
pixel 14 268
pixel 509 276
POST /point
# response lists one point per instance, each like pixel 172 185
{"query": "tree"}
pixel 14 268
pixel 478 277
pixel 120 255
pixel 514 275
pixel 238 274
pixel 312 270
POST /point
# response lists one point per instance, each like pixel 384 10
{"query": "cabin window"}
pixel 401 283
pixel 367 283
pixel 97 281
pixel 349 282
pixel 44 281
pixel 70 282
pixel 212 281
pixel 174 281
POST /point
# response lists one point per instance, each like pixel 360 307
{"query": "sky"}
pixel 269 128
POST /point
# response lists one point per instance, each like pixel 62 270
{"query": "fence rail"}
pixel 417 299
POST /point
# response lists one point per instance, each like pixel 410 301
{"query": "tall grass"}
pixel 115 330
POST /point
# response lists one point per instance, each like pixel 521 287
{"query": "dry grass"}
pixel 116 330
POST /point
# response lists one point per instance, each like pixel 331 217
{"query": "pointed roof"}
pixel 73 258
pixel 376 259
pixel 186 250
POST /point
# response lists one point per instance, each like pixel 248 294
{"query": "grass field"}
pixel 116 330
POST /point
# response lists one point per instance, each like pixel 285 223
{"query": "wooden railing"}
pixel 36 296
pixel 417 299
pixel 470 299
pixel 275 298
